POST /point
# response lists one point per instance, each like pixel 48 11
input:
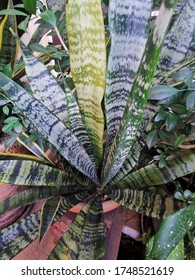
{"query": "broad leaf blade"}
pixel 176 166
pixel 26 197
pixel 145 203
pixel 50 127
pixel 17 236
pixel 85 237
pixel 29 173
pixel 130 123
pixel 48 212
pixel 129 26
pixel 172 231
pixel 88 65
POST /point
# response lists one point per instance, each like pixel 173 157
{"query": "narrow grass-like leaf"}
pixel 50 127
pixel 88 65
pixel 85 237
pixel 26 197
pixel 28 173
pixel 178 40
pixel 178 165
pixel 145 203
pixel 48 212
pixel 17 236
pixel 133 113
pixel 129 26
pixel 172 231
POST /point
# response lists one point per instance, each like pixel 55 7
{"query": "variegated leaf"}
pixel 26 197
pixel 56 5
pixel 145 203
pixel 50 127
pixel 178 165
pixel 44 86
pixel 85 237
pixel 17 236
pixel 179 38
pixel 136 103
pixel 8 46
pixel 29 173
pixel 48 213
pixel 129 26
pixel 88 65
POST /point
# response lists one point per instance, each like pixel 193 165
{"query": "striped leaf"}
pixel 133 113
pixel 177 43
pixel 55 5
pixel 85 237
pixel 129 26
pixel 135 151
pixel 29 173
pixel 8 46
pixel 145 203
pixel 49 127
pixel 17 236
pixel 88 65
pixel 26 197
pixel 178 165
pixel 48 213
pixel 44 86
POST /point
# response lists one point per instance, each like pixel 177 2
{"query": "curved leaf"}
pixel 136 103
pixel 50 127
pixel 85 237
pixel 17 236
pixel 171 232
pixel 129 26
pixel 145 203
pixel 178 165
pixel 88 65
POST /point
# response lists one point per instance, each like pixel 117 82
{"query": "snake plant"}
pixel 76 125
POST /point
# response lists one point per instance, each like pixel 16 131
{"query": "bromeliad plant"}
pixel 74 126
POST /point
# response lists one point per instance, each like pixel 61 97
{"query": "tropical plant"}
pixel 75 124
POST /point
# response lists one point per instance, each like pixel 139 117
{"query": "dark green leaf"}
pixel 185 75
pixel 179 140
pixel 161 92
pixel 12 12
pixel 49 17
pixel 152 138
pixel 161 116
pixel 38 48
pixel 171 122
pixel 24 24
pixel 30 6
pixel 7 70
pixel 179 109
pixel 166 137
pixel 190 100
pixel 172 231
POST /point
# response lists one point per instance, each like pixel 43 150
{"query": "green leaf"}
pixel 85 237
pixel 190 100
pixel 7 70
pixel 161 116
pixel 7 128
pixel 171 121
pixel 161 92
pixel 30 6
pixel 171 232
pixel 86 38
pixel 11 119
pixel 179 140
pixel 17 236
pixel 50 127
pixel 49 17
pixel 24 24
pixel 38 48
pixel 5 110
pixel 48 212
pixel 136 103
pixel 18 127
pixel 177 165
pixel 167 137
pixel 185 75
pixel 9 142
pixel 152 138
pixel 12 12
pixel 176 254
